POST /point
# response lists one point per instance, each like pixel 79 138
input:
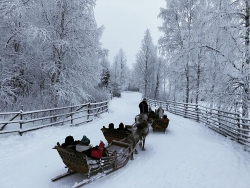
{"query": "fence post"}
pixel 219 118
pixel 51 119
pixel 21 120
pixel 205 118
pixel 107 107
pixel 185 110
pixel 71 115
pixel 167 105
pixel 238 125
pixel 174 111
pixel 88 111
pixel 197 111
pixel 102 106
pixel 96 111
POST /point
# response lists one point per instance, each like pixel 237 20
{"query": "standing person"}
pixel 143 106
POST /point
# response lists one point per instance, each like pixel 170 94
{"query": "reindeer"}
pixel 140 131
pixel 141 117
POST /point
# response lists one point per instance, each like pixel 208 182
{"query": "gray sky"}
pixel 125 23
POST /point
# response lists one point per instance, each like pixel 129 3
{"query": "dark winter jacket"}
pixel 143 107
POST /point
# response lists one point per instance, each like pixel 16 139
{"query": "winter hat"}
pixel 85 140
pixel 69 140
pixel 164 116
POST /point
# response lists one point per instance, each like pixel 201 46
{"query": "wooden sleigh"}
pixel 160 124
pixel 116 156
pixel 116 134
pixel 121 135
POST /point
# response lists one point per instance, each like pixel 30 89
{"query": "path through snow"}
pixel 189 155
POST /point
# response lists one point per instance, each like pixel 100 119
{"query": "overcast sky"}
pixel 125 23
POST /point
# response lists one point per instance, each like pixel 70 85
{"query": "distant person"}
pixel 111 126
pixel 159 112
pixel 143 106
pixel 164 117
pixel 121 126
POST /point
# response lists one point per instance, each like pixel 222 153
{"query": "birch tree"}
pixel 145 65
pixel 52 47
pixel 120 70
pixel 160 69
pixel 213 37
pixel 17 60
pixel 242 9
pixel 174 41
pixel 75 46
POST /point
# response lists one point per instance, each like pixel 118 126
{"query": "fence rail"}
pixel 25 121
pixel 226 123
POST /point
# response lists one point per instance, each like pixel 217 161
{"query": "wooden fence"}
pixel 226 123
pixel 22 121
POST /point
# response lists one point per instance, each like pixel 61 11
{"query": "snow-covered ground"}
pixel 189 155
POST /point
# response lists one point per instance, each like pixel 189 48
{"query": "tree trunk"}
pixel 198 79
pixel 245 69
pixel 157 87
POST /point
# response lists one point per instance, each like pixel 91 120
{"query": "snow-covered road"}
pixel 189 155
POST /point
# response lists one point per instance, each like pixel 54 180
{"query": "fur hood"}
pixel 81 148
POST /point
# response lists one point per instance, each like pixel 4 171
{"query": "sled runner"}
pixel 117 154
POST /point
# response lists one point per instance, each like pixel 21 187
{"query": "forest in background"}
pixel 51 55
pixel 206 45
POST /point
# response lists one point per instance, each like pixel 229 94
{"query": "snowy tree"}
pixel 239 78
pixel 207 44
pixel 52 47
pixel 172 42
pixel 17 61
pixel 227 48
pixel 105 78
pixel 73 67
pixel 5 89
pixel 146 59
pixel 160 70
pixel 178 28
pixel 133 84
pixel 105 75
pixel 120 70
